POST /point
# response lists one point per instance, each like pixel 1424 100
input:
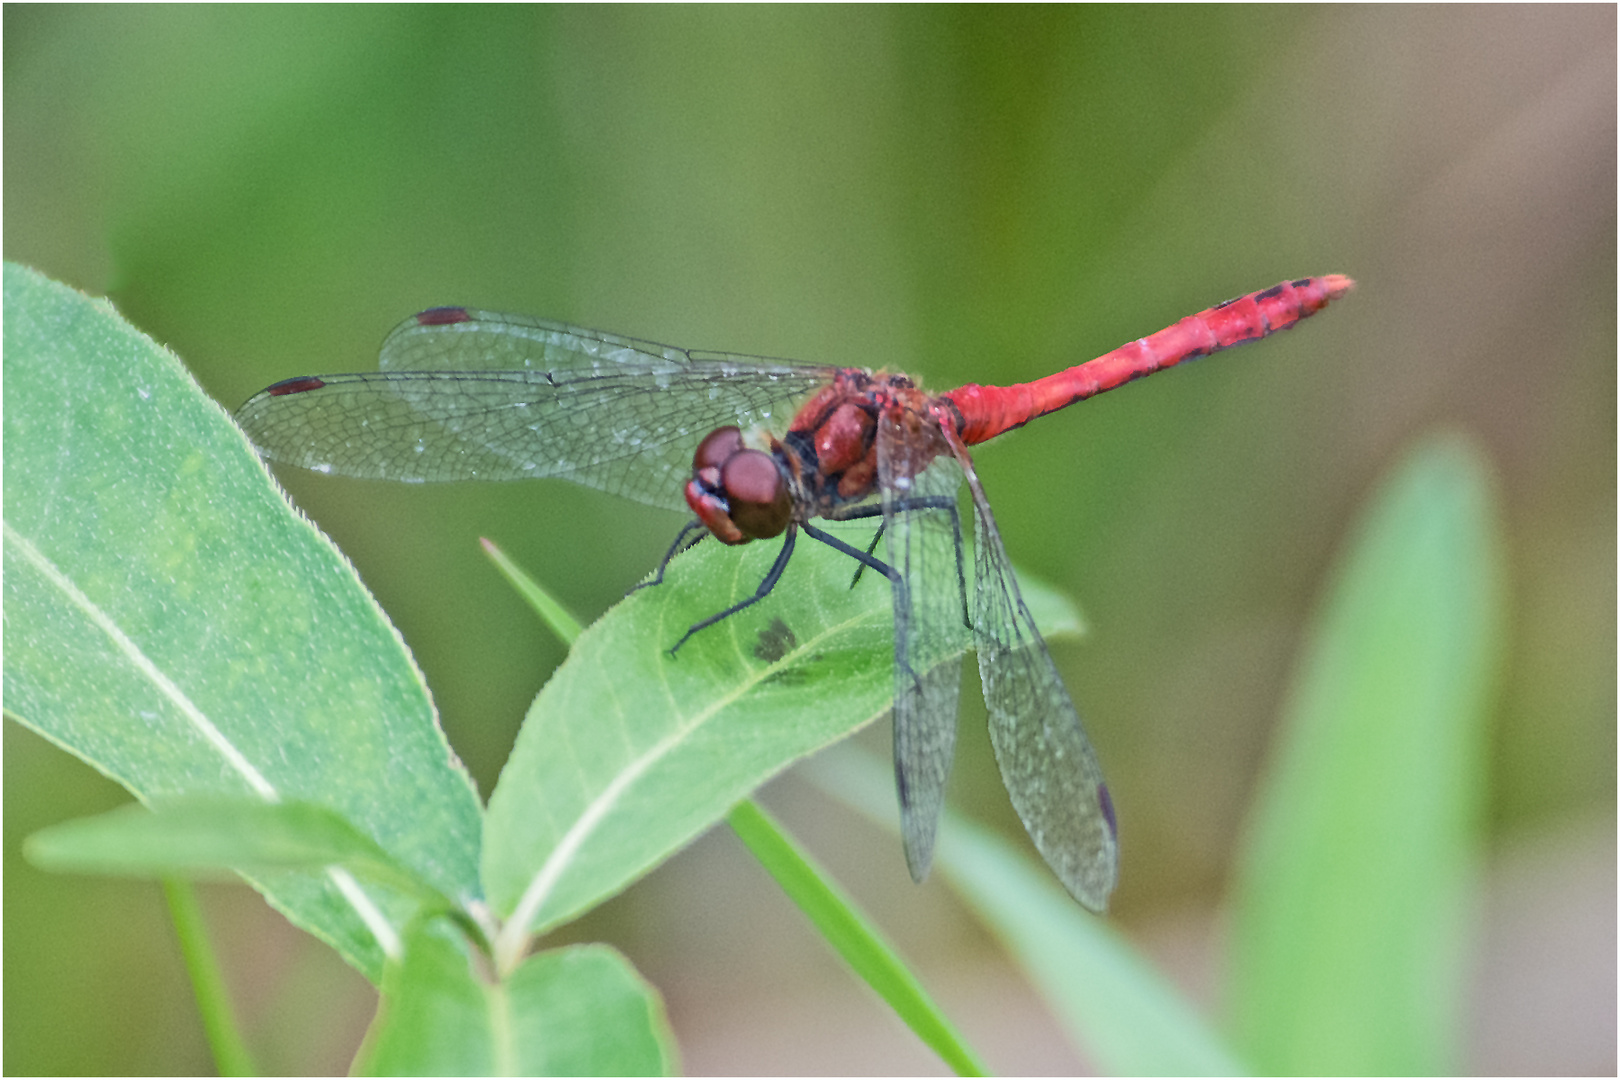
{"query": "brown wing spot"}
pixel 443 316
pixel 294 386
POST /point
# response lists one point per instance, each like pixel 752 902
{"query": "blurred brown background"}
pixel 966 194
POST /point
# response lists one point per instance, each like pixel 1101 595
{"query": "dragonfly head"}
pixel 738 493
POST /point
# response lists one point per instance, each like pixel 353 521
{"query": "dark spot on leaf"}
pixel 775 642
pixel 793 677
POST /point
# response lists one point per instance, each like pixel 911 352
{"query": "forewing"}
pixel 477 395
pixel 923 535
pixel 1047 763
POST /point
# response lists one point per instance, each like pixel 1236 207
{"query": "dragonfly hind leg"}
pixel 928 502
pixel 901 602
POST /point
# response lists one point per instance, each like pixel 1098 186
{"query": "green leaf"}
pixel 580 1011
pixel 1055 612
pixel 196 835
pixel 1129 1019
pixel 171 621
pixel 1350 913
pixel 628 753
pixel 551 611
pixel 849 932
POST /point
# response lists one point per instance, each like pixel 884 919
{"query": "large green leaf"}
pixel 1350 913
pixel 629 752
pixel 580 1011
pixel 171 621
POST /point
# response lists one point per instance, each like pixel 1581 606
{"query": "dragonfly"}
pixel 756 448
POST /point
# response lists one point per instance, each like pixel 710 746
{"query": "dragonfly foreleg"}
pixel 681 544
pixel 760 593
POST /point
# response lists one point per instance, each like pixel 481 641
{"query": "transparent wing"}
pixel 1047 763
pixel 476 395
pixel 924 538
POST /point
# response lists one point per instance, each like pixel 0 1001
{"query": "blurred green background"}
pixel 965 194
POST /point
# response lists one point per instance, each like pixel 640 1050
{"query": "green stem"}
pixel 848 931
pixel 231 1056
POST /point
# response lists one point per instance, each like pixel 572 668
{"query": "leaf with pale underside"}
pixel 170 620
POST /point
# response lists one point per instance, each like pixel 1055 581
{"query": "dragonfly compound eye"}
pixel 717 448
pixel 758 494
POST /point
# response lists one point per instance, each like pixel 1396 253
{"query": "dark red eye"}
pixel 717 448
pixel 756 493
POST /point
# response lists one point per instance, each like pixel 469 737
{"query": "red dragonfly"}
pixel 475 395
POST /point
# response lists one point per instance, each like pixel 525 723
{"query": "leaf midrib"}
pixel 514 936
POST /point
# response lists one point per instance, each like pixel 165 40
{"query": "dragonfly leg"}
pixel 856 513
pixel 865 558
pixel 901 601
pixel 760 593
pixel 860 568
pixel 927 502
pixel 681 544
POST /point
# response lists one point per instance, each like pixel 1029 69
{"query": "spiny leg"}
pixel 901 600
pixel 681 544
pixel 926 502
pixel 760 593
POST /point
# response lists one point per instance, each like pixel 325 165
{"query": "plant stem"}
pixel 219 1024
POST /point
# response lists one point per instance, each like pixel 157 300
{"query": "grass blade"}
pixel 848 932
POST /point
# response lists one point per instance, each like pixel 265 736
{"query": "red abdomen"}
pixel 987 411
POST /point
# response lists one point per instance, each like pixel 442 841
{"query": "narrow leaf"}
pixel 579 1011
pixel 628 753
pixel 1350 914
pixel 173 622
pixel 201 834
pixel 550 610
pixel 1126 1016
pixel 849 932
